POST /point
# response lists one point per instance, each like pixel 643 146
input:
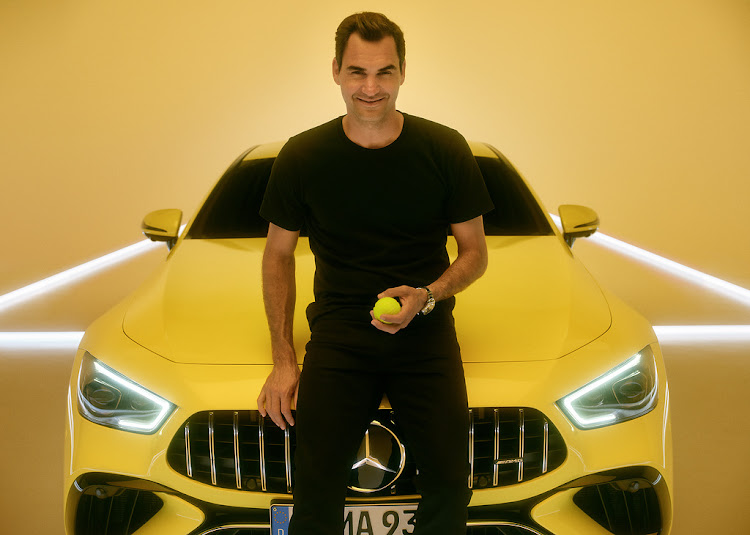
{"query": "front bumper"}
pixel 615 479
pixel 612 480
pixel 628 501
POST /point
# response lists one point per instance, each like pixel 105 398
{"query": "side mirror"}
pixel 577 222
pixel 163 225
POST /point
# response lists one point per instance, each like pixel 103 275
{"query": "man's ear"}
pixel 403 71
pixel 336 70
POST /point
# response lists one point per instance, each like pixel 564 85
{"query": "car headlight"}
pixel 108 398
pixel 624 393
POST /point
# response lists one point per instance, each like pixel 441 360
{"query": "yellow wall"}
pixel 638 108
pixel 110 109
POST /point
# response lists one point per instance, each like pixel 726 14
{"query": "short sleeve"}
pixel 467 193
pixel 282 203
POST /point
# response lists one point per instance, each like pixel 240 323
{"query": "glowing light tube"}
pixel 702 333
pixel 40 340
pixel 727 289
pixel 666 334
pixel 74 274
pixel 710 282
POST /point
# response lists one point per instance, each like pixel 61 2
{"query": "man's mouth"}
pixel 370 101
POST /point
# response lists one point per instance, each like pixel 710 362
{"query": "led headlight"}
pixel 626 392
pixel 108 398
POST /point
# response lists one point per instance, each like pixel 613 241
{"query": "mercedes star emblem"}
pixel 380 460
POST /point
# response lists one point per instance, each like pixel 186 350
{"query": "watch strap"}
pixel 430 305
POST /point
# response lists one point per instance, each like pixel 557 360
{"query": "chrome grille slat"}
pixel 471 448
pixel 212 447
pixel 188 458
pixel 242 451
pixel 496 449
pixel 545 447
pixel 521 442
pixel 262 453
pixel 236 437
pixel 288 460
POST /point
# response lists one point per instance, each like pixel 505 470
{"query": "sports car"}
pixel 569 420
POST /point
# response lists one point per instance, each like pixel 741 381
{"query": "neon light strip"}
pixel 727 289
pixel 666 334
pixel 72 275
pixel 77 273
pixel 40 340
pixel 702 333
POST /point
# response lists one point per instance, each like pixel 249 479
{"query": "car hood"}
pixel 536 301
pixel 205 306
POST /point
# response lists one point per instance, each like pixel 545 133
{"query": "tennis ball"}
pixel 386 305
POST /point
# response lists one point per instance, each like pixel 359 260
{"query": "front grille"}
pixel 508 446
pixel 629 507
pixel 234 450
pixel 242 450
pixel 115 511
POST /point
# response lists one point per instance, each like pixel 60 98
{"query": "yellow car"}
pixel 570 430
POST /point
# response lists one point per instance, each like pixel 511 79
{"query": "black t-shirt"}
pixel 376 218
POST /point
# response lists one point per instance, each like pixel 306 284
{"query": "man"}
pixel 376 190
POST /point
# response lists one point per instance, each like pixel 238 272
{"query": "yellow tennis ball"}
pixel 386 305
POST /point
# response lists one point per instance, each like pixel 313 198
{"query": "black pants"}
pixel 347 369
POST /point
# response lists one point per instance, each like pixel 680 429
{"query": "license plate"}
pixel 390 519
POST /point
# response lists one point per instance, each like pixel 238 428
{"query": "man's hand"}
pixel 469 265
pixel 412 301
pixel 279 394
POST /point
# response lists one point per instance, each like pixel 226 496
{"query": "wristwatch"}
pixel 430 302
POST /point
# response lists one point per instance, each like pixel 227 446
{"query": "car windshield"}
pixel 231 210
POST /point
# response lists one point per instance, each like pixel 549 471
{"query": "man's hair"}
pixel 370 27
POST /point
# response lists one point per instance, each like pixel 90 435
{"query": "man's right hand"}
pixel 279 394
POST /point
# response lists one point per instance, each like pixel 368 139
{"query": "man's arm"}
pixel 468 266
pixel 279 393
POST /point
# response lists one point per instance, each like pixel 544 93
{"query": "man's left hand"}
pixel 412 301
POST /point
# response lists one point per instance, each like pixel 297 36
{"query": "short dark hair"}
pixel 370 27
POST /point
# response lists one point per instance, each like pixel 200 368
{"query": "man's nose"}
pixel 370 86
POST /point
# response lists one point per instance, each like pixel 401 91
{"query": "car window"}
pixel 231 210
pixel 516 211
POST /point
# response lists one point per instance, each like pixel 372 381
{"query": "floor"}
pixel 707 380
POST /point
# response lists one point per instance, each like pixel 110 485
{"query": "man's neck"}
pixel 374 135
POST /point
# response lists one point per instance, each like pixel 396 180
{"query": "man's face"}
pixel 369 76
